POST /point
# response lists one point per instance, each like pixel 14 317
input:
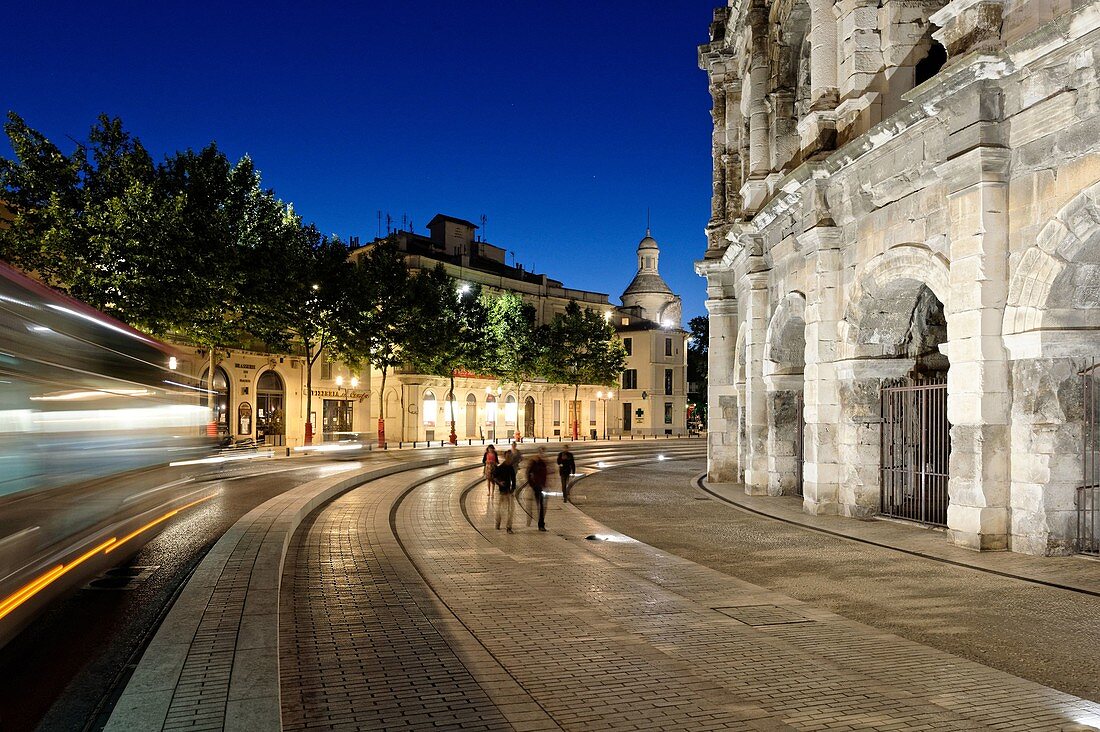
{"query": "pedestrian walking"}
pixel 566 467
pixel 505 477
pixel 489 465
pixel 517 457
pixel 536 478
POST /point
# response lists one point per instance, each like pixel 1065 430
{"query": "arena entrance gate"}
pixel 1088 494
pixel 916 446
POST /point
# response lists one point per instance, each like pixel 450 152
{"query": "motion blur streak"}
pixel 30 590
pixel 154 522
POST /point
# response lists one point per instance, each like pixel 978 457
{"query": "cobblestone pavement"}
pixel 548 630
pixel 1045 634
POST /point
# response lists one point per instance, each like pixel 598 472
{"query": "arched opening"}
pixel 900 391
pixel 471 416
pixel 529 417
pixel 931 64
pixel 270 408
pixel 221 398
pixel 429 414
pixel 784 364
pixel 491 416
pixel 511 413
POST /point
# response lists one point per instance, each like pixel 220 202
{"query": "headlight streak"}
pixel 20 596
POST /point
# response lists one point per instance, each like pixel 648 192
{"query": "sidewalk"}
pixel 1077 573
pixel 559 632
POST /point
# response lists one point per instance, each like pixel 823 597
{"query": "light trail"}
pixel 20 596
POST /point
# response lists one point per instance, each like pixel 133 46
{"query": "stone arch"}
pixel 789 25
pixel 785 340
pixel 1051 329
pixel 1053 284
pixel 894 324
pixel 878 317
pixel 739 357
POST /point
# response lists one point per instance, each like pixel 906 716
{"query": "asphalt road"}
pixel 1044 634
pixel 61 672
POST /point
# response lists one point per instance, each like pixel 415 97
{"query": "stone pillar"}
pixel 722 462
pixel 860 53
pixel 782 400
pixel 823 56
pixel 817 129
pixel 754 287
pixel 731 160
pixel 824 310
pixel 718 152
pixel 978 396
pixel 759 127
pixel 784 135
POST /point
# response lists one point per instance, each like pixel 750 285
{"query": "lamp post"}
pixel 605 398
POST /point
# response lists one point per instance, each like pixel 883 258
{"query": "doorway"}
pixel 627 413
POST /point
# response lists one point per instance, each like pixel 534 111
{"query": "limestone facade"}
pixel 905 190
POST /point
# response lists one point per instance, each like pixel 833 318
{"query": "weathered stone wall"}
pixel 954 226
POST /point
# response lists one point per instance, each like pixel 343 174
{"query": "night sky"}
pixel 560 121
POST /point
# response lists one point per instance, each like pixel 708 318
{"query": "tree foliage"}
pixel 697 362
pixel 582 349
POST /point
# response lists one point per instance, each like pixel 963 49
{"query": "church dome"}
pixel 648 242
pixel 647 283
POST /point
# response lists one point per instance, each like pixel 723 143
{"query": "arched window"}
pixel 511 410
pixel 471 416
pixel 430 407
pixel 449 408
pixel 221 397
pixel 490 408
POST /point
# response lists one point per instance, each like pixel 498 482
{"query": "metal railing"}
pixel 1088 493
pixel 915 450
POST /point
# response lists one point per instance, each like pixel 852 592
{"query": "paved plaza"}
pixel 402 607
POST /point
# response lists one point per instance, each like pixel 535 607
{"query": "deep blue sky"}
pixel 561 121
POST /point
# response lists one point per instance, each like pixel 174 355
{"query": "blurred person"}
pixel 489 465
pixel 517 457
pixel 536 478
pixel 505 477
pixel 566 467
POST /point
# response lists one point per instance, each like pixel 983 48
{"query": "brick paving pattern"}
pixel 548 630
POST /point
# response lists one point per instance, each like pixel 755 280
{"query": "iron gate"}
pixel 800 446
pixel 1088 494
pixel 916 445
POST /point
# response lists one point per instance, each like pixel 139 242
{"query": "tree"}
pixel 582 349
pixel 454 332
pixel 515 351
pixel 697 363
pixel 305 298
pixel 385 316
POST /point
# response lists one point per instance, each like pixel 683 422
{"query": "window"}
pixel 511 410
pixel 557 413
pixel 668 412
pixel 326 368
pixel 592 413
pixel 430 407
pixel 630 379
pixel 491 409
pixel 336 416
pixel 626 321
pixel 628 344
pixel 668 346
pixel 668 382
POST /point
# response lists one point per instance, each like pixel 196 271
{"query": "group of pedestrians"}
pixel 503 475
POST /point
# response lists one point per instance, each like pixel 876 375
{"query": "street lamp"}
pixel 605 398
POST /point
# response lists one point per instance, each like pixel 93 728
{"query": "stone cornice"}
pixel 980 165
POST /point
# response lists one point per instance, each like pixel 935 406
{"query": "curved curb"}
pixel 215 658
pixel 702 484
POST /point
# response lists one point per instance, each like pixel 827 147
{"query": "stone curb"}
pixel 1072 573
pixel 250 699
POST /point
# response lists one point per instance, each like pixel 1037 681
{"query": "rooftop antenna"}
pixel 647 221
pixel 389 224
pixel 484 220
pixel 379 223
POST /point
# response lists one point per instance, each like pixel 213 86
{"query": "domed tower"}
pixel 648 295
